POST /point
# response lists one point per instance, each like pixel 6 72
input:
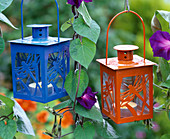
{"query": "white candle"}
pixel 125 112
pixel 32 87
pixel 132 104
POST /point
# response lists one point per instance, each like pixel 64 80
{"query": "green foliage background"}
pixel 126 29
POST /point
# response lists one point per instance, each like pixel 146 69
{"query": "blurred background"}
pixel 126 29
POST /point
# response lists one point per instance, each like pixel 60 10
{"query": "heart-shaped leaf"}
pixel 7 108
pixel 4 19
pixel 72 82
pixel 8 131
pixel 92 32
pixel 166 136
pixel 62 104
pixel 155 24
pixel 2 45
pixel 85 14
pixel 67 24
pixel 164 14
pixel 4 4
pixel 105 130
pixel 166 84
pixel 87 132
pixel 164 68
pixel 83 52
pixel 93 113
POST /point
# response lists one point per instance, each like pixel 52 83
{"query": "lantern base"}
pixel 122 120
pixel 53 96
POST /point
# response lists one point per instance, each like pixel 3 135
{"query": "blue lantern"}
pixel 39 64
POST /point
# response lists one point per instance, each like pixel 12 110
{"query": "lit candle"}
pixel 33 86
pixel 125 112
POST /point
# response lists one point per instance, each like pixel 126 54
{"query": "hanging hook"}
pixel 127 5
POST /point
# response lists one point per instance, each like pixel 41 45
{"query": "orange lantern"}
pixel 126 83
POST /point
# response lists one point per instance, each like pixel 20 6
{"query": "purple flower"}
pixel 140 134
pixel 160 43
pixel 155 127
pixel 156 105
pixel 87 99
pixel 77 2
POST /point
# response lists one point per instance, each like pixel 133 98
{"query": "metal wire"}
pixel 22 26
pixel 127 5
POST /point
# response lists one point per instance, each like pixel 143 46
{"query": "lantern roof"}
pixel 50 41
pixel 115 64
pixel 40 36
pixel 39 25
pixel 126 47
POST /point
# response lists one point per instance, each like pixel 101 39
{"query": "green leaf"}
pixel 67 24
pixel 85 14
pixel 168 112
pixel 4 4
pixel 164 68
pixel 83 52
pixel 164 14
pixel 72 82
pixel 8 108
pixel 166 84
pixel 105 130
pixel 2 45
pixel 155 24
pixel 168 108
pixel 92 32
pixel 93 113
pixel 23 123
pixel 8 131
pixel 62 104
pixel 87 132
pixel 4 19
pixel 166 136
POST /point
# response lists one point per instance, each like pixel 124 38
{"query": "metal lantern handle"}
pixel 126 11
pixel 22 30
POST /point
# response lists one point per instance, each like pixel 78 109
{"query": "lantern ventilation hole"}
pixel 40 32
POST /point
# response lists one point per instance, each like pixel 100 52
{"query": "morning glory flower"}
pixel 77 3
pixel 87 99
pixel 160 43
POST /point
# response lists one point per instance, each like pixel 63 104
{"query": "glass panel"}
pixel 143 99
pixel 109 93
pixel 27 74
pixel 57 69
pixel 134 97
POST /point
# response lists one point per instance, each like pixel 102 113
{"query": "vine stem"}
pixel 55 125
pixel 63 109
pixel 59 129
pixel 77 86
pixel 6 117
pixel 67 134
